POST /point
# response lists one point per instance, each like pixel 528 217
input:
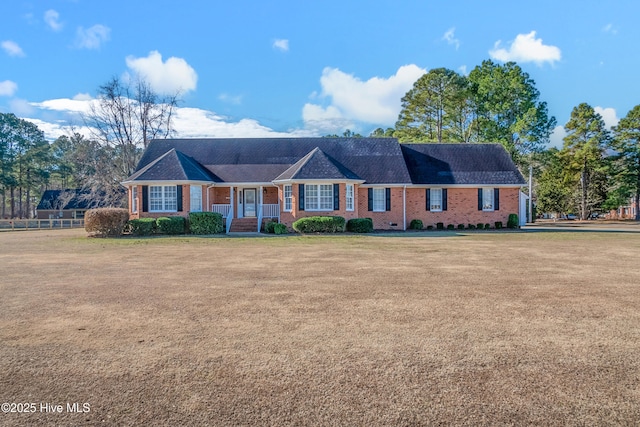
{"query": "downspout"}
pixel 404 208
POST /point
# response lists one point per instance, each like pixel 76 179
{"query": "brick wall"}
pixel 288 218
pixel 383 220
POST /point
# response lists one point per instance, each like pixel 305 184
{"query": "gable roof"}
pixel 173 166
pixel 466 164
pixel 236 160
pixel 317 165
pixel 67 199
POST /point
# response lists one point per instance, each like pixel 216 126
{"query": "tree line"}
pixel 596 169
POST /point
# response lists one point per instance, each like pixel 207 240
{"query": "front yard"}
pixel 419 329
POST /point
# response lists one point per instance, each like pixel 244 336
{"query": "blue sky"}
pixel 304 68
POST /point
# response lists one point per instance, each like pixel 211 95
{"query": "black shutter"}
pixel 479 199
pixel 145 198
pixel 336 197
pixel 388 199
pixel 179 197
pixel 444 199
pixel 300 197
pixel 496 199
pixel 428 197
pixel 370 198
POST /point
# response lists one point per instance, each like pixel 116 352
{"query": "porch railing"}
pixel 271 211
pixel 222 209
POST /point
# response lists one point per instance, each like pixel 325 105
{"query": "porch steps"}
pixel 244 225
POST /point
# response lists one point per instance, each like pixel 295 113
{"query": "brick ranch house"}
pixel 250 181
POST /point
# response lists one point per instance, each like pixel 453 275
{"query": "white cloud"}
pixel 526 48
pixel 375 101
pixel 66 105
pixel 51 18
pixel 609 28
pixel 557 136
pixel 82 97
pixel 450 38
pixel 608 115
pixel 92 38
pixel 281 44
pixel 12 48
pixel 171 76
pixel 463 70
pixel 231 99
pixel 8 88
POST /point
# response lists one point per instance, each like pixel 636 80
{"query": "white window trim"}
pixel 318 198
pixel 431 208
pixel 198 191
pixel 288 199
pixel 349 197
pixel 491 192
pixel 383 203
pixel 164 199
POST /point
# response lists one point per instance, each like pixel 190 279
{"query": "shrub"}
pixel 471 227
pixel 429 227
pixel 498 225
pixel 106 221
pixel 487 226
pixel 416 224
pixel 440 226
pixel 451 227
pixel 360 225
pixel 480 226
pixel 460 226
pixel 206 223
pixel 513 222
pixel 269 227
pixel 142 226
pixel 280 228
pixel 320 224
pixel 170 224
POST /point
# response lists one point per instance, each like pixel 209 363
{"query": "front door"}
pixel 249 202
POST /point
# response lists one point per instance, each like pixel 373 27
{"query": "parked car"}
pixel 572 216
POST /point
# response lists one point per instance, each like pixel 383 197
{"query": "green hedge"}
pixel 480 226
pixel 513 222
pixel 498 225
pixel 451 227
pixel 105 222
pixel 142 226
pixel 460 226
pixel 269 227
pixel 416 224
pixel 279 228
pixel 471 227
pixel 170 224
pixel 206 223
pixel 360 225
pixel 440 226
pixel 320 224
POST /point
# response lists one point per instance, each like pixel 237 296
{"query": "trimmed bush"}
pixel 170 224
pixel 280 228
pixel 360 225
pixel 471 227
pixel 105 222
pixel 429 227
pixel 440 226
pixel 206 223
pixel 451 227
pixel 142 226
pixel 416 224
pixel 320 224
pixel 513 222
pixel 460 226
pixel 487 226
pixel 498 225
pixel 480 226
pixel 269 227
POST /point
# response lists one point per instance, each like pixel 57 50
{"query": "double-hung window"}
pixel 487 199
pixel 288 205
pixel 163 198
pixel 195 197
pixel 318 197
pixel 379 200
pixel 435 203
pixel 349 195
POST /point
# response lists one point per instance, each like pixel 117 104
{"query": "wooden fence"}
pixel 39 224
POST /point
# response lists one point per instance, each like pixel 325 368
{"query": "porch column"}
pixel 231 200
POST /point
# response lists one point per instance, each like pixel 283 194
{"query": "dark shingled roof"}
pixel 375 160
pixel 173 166
pixel 317 165
pixel 466 164
pixel 67 199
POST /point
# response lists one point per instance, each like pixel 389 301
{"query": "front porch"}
pixel 245 208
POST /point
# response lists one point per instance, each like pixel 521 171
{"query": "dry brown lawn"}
pixel 426 329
